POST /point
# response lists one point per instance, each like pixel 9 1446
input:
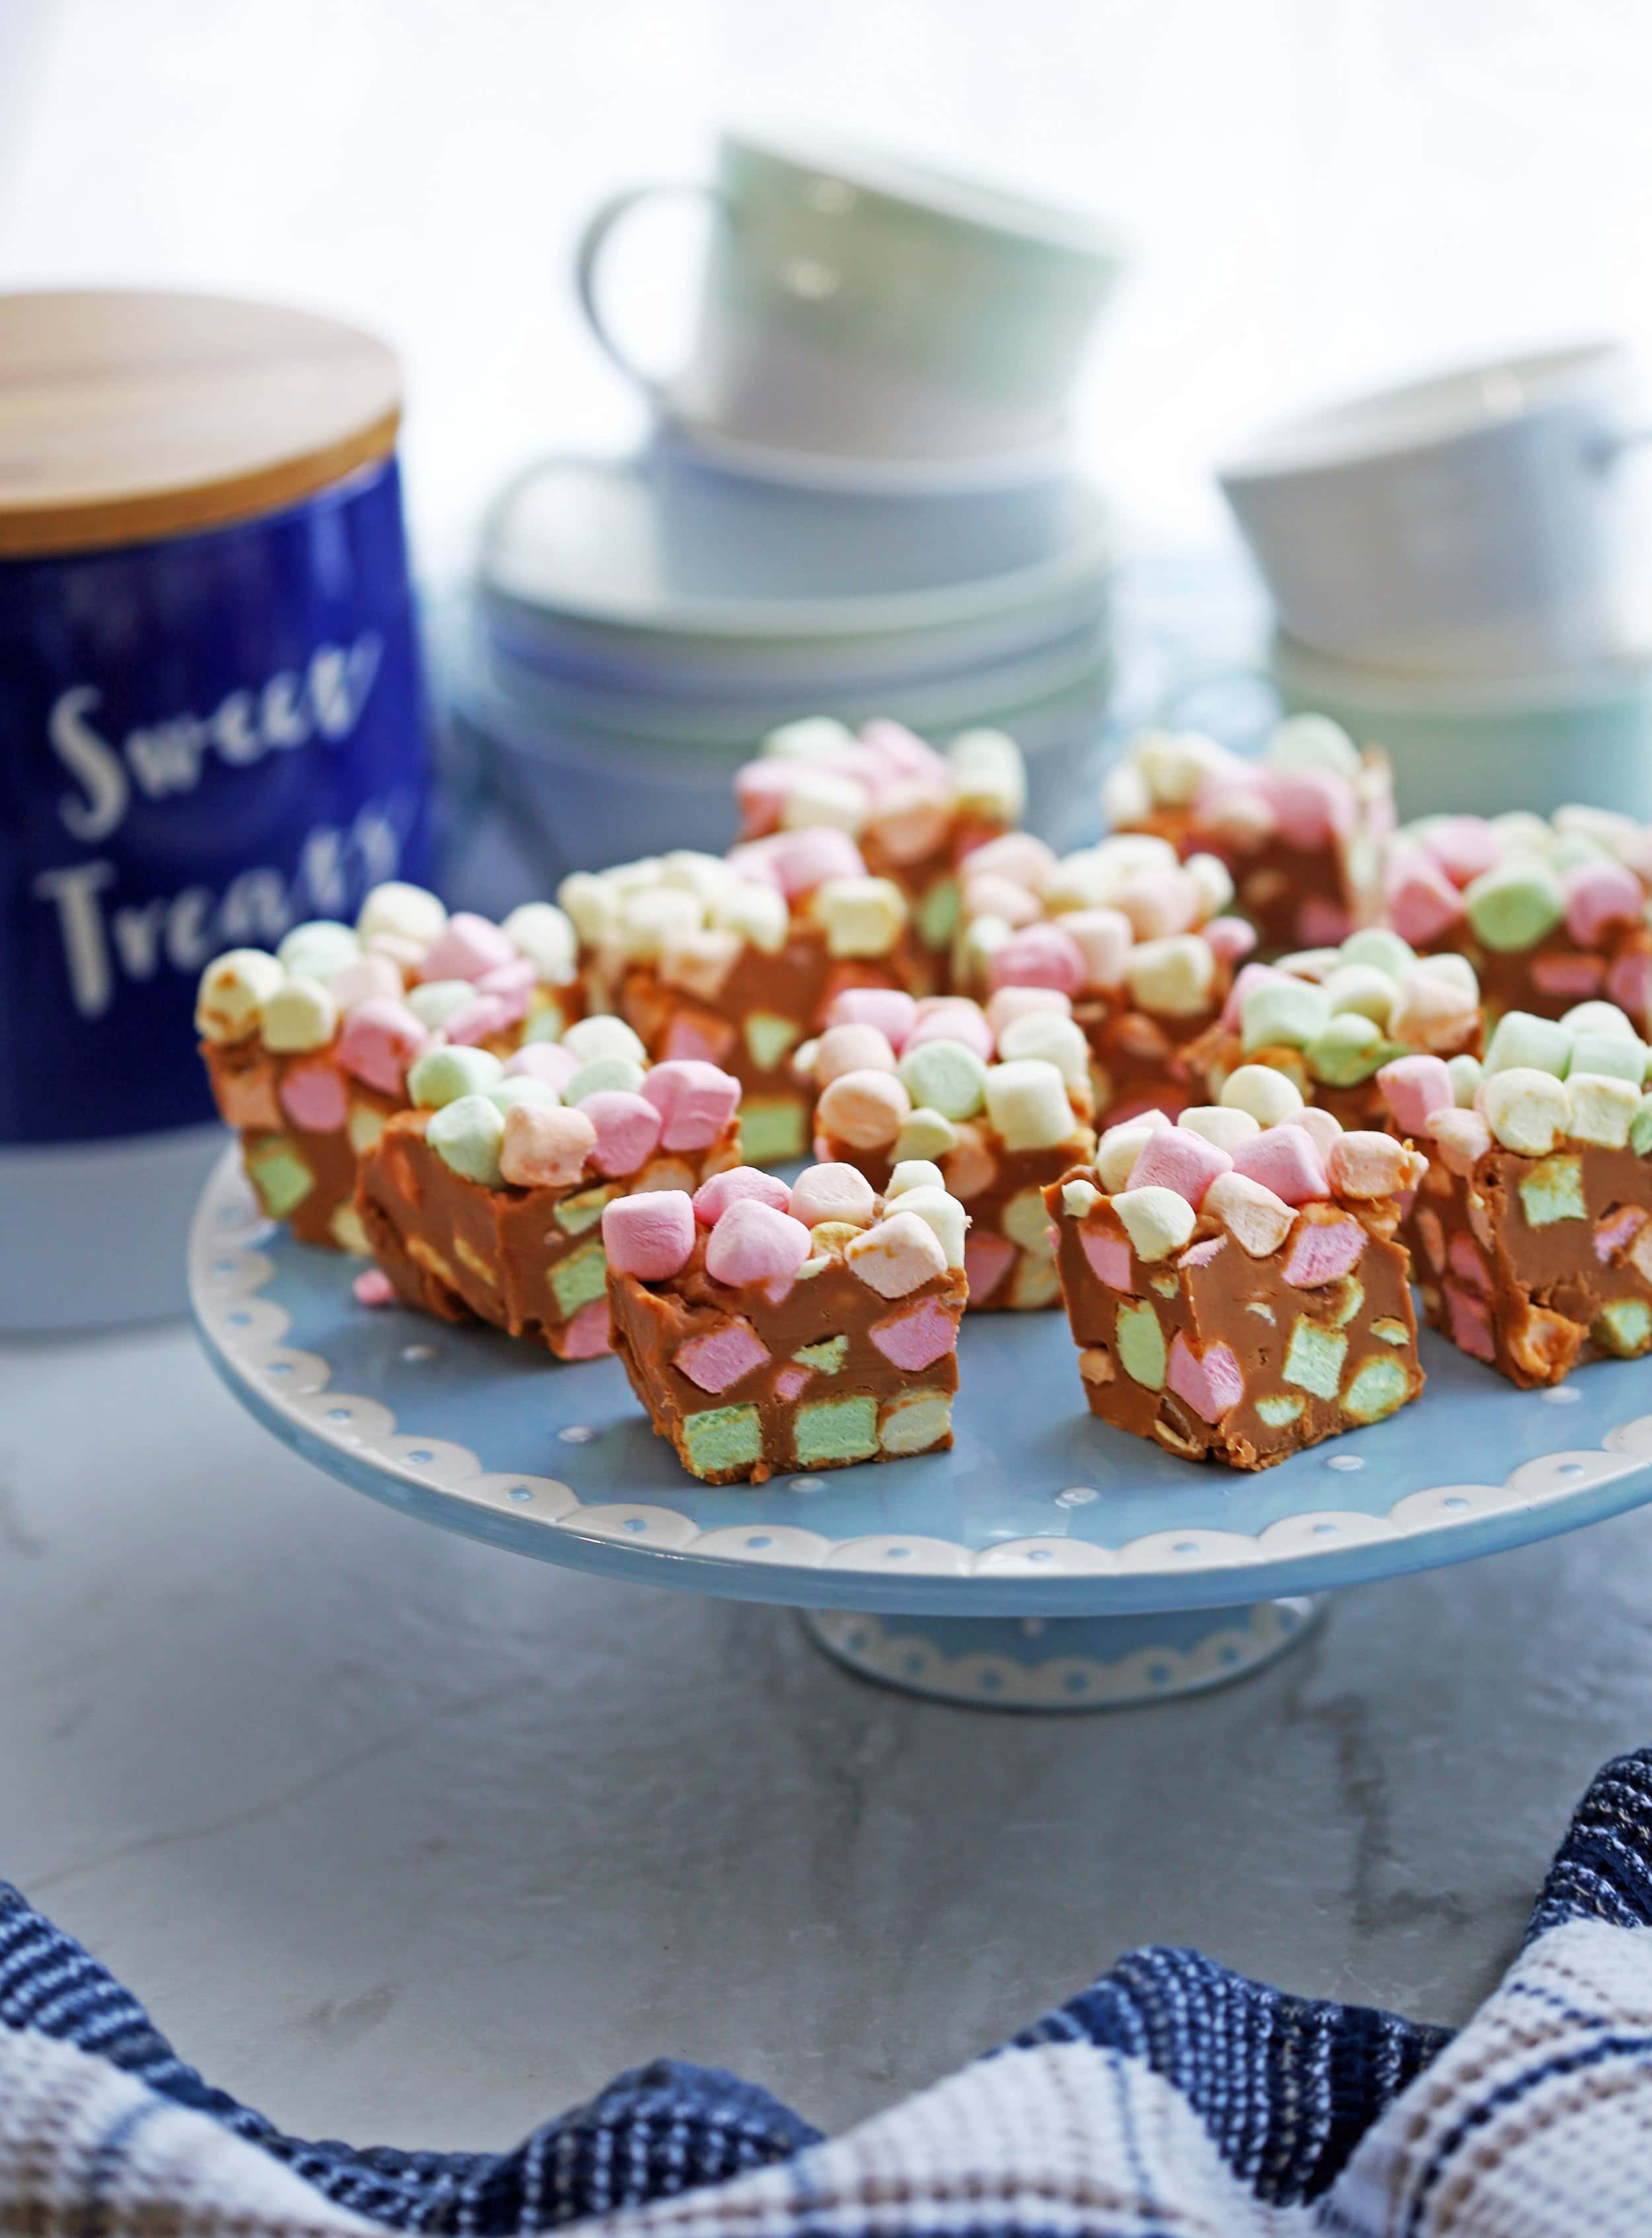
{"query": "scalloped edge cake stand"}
pixel 985 1576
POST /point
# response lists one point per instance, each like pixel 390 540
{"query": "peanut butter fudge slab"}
pixel 913 813
pixel 735 961
pixel 1236 1292
pixel 1549 912
pixel 998 1099
pixel 1301 831
pixel 768 1329
pixel 308 1049
pixel 1532 1226
pixel 486 1202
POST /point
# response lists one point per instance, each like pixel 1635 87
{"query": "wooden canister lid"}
pixel 126 416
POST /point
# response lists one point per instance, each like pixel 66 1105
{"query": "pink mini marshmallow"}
pixel 695 1099
pixel 803 860
pixel 987 1259
pixel 1421 903
pixel 479 1020
pixel 1573 977
pixel 1363 1163
pixel 1200 1254
pixel 831 1191
pixel 915 1341
pixel 587 1335
pixel 369 977
pixel 1461 1139
pixel 791 1383
pixel 1463 846
pixel 1231 939
pixel 1211 1383
pixel 753 1243
pixel 887 1008
pixel 1311 806
pixel 546 1061
pixel 1176 1158
pixel 1040 955
pixel 1614 1233
pixel 851 1049
pixel 1322 924
pixel 649 1235
pixel 1320 1125
pixel 1324 1251
pixel 754 861
pixel 698 1040
pixel 628 1126
pixel 466 947
pixel 1598 895
pixel 955 1021
pixel 315 1096
pixel 396 947
pixel 1006 1004
pixel 545 1147
pixel 511 983
pixel 1160 902
pixel 1015 855
pixel 865 1108
pixel 1252 975
pixel 1285 1159
pixel 713 1197
pixel 1462 1257
pixel 378 1042
pixel 1103 938
pixel 910 818
pixel 1414 1088
pixel 986 894
pixel 760 789
pixel 900 749
pixel 373 1288
pixel 717 1361
pixel 1470 1323
pixel 1108 1258
pixel 1629 983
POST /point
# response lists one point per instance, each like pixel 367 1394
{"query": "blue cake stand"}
pixel 1047 1562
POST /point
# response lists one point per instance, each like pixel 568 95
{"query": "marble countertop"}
pixel 403 1839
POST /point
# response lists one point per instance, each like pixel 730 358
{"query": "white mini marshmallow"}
pixel 914 1173
pixel 1269 1097
pixel 1527 1110
pixel 299 1015
pixel 1362 989
pixel 434 1003
pixel 1026 1101
pixel 654 915
pixel 860 916
pixel 546 935
pixel 1602 1108
pixel 232 991
pixel 1059 1041
pixel 699 963
pixel 592 903
pixel 1174 976
pixel 407 912
pixel 1126 799
pixel 1079 1197
pixel 755 911
pixel 1213 881
pixel 823 796
pixel 941 1214
pixel 1313 742
pixel 990 775
pixel 316 950
pixel 803 741
pixel 1157 1220
pixel 589 1038
pixel 1225 1124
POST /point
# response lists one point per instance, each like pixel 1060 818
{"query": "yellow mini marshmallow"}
pixel 930 1203
pixel 852 1048
pixel 545 935
pixel 1461 1139
pixel 654 915
pixel 1269 1097
pixel 1527 1110
pixel 409 912
pixel 914 1173
pixel 989 774
pixel 925 1134
pixel 755 912
pixel 1225 1124
pixel 1120 1146
pixel 1174 976
pixel 1602 1108
pixel 1212 882
pixel 810 736
pixel 1027 1103
pixel 232 992
pixel 299 1015
pixel 592 903
pixel 1157 1220
pixel 1059 1041
pixel 700 962
pixel 860 916
pixel 1362 989
pixel 819 798
pixel 897 1255
pixel 589 1038
pixel 1258 1221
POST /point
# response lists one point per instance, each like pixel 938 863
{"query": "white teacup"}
pixel 857 306
pixel 1492 521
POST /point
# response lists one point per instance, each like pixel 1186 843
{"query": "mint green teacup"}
pixel 857 306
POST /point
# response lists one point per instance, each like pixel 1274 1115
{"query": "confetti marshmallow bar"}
pixel 1533 1223
pixel 1235 1290
pixel 997 1101
pixel 767 1329
pixel 1301 831
pixel 308 1049
pixel 487 1199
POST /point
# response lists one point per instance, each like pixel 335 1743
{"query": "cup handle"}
pixel 592 241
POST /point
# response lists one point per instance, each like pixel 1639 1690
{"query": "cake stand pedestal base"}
pixel 1063 1662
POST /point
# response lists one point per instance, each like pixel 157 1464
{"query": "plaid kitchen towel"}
pixel 1172 2100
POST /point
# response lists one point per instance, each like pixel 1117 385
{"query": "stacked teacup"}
pixel 856 499
pixel 1463 571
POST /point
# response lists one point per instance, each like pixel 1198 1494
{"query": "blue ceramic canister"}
pixel 212 728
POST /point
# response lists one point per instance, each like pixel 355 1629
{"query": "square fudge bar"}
pixel 1532 1226
pixel 1236 1292
pixel 997 1099
pixel 767 1329
pixel 486 1201
pixel 308 1049
pixel 1137 941
pixel 1330 1018
pixel 736 961
pixel 914 813
pixel 1549 913
pixel 1301 831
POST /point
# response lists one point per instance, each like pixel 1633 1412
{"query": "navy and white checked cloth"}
pixel 1172 2100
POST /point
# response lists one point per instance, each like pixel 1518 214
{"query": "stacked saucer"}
pixel 637 625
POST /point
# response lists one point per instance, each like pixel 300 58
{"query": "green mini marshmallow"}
pixel 768 1038
pixel 1276 1412
pixel 1465 1073
pixel 1363 988
pixel 1139 1342
pixel 1571 850
pixel 772 1128
pixel 723 1438
pixel 521 1087
pixel 835 1430
pixel 442 1075
pixel 1553 1191
pixel 603 1073
pixel 1378 949
pixel 1641 1128
pixel 280 1175
pixel 580 1279
pixel 316 950
pixel 1624 1327
pixel 944 1076
pixel 1514 905
pixel 1522 1038
pixel 1284 1014
pixel 574 1215
pixel 1314 1359
pixel 1617 1058
pixel 1350 1049
pixel 434 1003
pixel 938 913
pixel 466 1136
pixel 825 1357
pixel 1379 1387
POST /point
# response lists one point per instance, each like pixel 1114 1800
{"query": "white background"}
pixel 1317 192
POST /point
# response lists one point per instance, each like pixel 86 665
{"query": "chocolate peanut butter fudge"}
pixel 1301 831
pixel 1235 1290
pixel 309 1048
pixel 913 813
pixel 998 1098
pixel 736 961
pixel 1550 912
pixel 486 1201
pixel 768 1329
pixel 1533 1223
